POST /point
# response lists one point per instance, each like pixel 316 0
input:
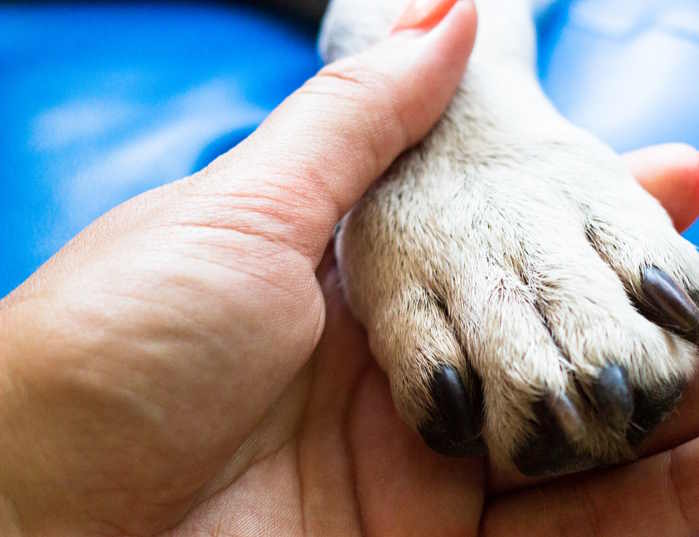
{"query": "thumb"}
pixel 314 156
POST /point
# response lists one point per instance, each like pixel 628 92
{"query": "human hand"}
pixel 164 378
pixel 355 469
pixel 163 355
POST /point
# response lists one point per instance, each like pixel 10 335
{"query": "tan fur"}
pixel 502 244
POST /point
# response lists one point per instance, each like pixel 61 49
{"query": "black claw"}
pixel 550 452
pixel 455 426
pixel 614 397
pixel 652 406
pixel 675 307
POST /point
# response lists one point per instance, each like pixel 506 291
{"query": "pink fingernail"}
pixel 423 14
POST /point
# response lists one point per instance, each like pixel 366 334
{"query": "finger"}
pixel 655 496
pixel 315 155
pixel 403 487
pixel 671 174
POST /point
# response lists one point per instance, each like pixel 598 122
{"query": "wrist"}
pixel 28 493
pixel 9 515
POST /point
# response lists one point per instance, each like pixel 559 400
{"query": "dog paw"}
pixel 532 301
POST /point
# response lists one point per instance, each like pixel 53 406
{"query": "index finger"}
pixel 670 173
pixel 652 497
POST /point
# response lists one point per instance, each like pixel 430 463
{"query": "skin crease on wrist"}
pixel 9 523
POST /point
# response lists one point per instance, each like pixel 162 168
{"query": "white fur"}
pixel 505 244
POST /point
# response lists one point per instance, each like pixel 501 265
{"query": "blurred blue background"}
pixel 101 102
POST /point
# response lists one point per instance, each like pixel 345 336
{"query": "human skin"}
pixel 188 362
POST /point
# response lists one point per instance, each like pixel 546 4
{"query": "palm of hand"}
pixel 347 465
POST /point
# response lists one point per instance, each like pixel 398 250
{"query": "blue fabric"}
pixel 627 70
pixel 101 102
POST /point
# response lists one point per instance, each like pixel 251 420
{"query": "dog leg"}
pixel 517 285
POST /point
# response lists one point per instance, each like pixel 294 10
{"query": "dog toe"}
pixel 454 427
pixel 614 397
